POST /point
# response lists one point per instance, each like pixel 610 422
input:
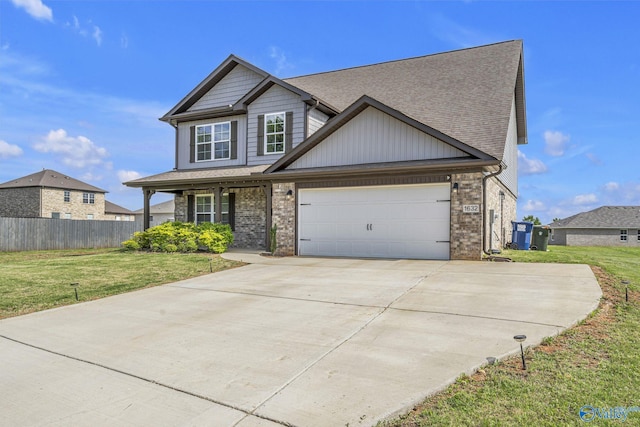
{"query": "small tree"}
pixel 534 220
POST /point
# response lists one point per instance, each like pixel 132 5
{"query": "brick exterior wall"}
pixel 466 228
pixel 504 212
pixel 594 237
pixel 20 202
pixel 35 202
pixel 284 217
pixel 53 201
pixel 250 215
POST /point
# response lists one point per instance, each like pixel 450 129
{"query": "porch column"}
pixel 267 192
pixel 147 210
pixel 217 197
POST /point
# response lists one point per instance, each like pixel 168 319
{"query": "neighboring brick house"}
pixel 51 194
pixel 415 158
pixel 604 226
pixel 117 213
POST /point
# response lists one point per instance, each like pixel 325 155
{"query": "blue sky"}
pixel 83 83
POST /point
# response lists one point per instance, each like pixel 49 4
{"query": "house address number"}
pixel 470 208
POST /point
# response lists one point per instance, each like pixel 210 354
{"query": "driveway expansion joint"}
pixel 150 381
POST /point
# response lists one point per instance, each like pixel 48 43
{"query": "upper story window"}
pixel 274 125
pixel 213 141
pixel 67 196
pixel 88 198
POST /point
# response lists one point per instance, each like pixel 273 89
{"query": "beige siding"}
pixel 316 119
pixel 274 100
pixel 184 137
pixel 230 89
pixel 509 177
pixel 375 137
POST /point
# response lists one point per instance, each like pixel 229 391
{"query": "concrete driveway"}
pixel 292 341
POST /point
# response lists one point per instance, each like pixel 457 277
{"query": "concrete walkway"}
pixel 283 341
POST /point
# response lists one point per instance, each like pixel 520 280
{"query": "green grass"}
pixel 33 281
pixel 595 363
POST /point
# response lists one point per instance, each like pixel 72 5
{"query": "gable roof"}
pixel 112 208
pixel 48 178
pixel 466 94
pixel 603 217
pixel 352 111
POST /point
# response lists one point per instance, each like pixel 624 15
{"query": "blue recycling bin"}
pixel 521 235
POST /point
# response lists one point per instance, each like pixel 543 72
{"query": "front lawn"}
pixel 38 280
pixel 594 366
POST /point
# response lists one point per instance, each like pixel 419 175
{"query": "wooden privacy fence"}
pixel 33 234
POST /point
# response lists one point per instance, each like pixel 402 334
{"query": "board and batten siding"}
pixel 230 89
pixel 375 137
pixel 275 100
pixel 316 119
pixel 184 138
pixel 509 176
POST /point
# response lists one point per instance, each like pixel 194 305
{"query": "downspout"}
pixel 501 168
pixel 175 126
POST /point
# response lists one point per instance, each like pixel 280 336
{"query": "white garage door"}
pixel 407 221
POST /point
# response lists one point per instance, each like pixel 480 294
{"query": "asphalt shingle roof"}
pixel 51 179
pixel 603 217
pixel 466 94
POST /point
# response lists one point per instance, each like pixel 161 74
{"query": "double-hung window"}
pixel 88 198
pixel 213 141
pixel 623 235
pixel 274 125
pixel 206 208
pixel 67 196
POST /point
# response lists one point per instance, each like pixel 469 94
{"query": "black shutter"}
pixel 192 144
pixel 288 132
pixel 260 151
pixel 234 140
pixel 190 208
pixel 232 211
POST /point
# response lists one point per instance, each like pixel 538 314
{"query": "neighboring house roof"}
pixel 194 176
pixel 466 94
pixel 603 217
pixel 51 179
pixel 167 207
pixel 112 208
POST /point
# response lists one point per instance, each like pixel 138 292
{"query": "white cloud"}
pixel 555 143
pixel 35 8
pixel 528 166
pixel 282 63
pixel 124 175
pixel 611 186
pixel 97 35
pixel 533 205
pixel 77 151
pixel 9 150
pixel 585 199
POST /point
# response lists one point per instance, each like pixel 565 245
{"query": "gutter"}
pixel 501 168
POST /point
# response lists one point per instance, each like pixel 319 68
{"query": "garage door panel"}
pixel 411 221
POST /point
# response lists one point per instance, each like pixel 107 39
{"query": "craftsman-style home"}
pixel 415 158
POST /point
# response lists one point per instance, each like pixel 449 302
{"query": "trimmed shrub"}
pixel 182 237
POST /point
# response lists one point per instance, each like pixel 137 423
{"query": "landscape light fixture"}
pixel 520 339
pixel 626 290
pixel 75 288
pixel 289 194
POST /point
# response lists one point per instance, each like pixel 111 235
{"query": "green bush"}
pixel 182 237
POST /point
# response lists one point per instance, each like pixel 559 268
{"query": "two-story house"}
pixel 51 194
pixel 415 158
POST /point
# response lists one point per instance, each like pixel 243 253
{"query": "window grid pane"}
pixel 274 133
